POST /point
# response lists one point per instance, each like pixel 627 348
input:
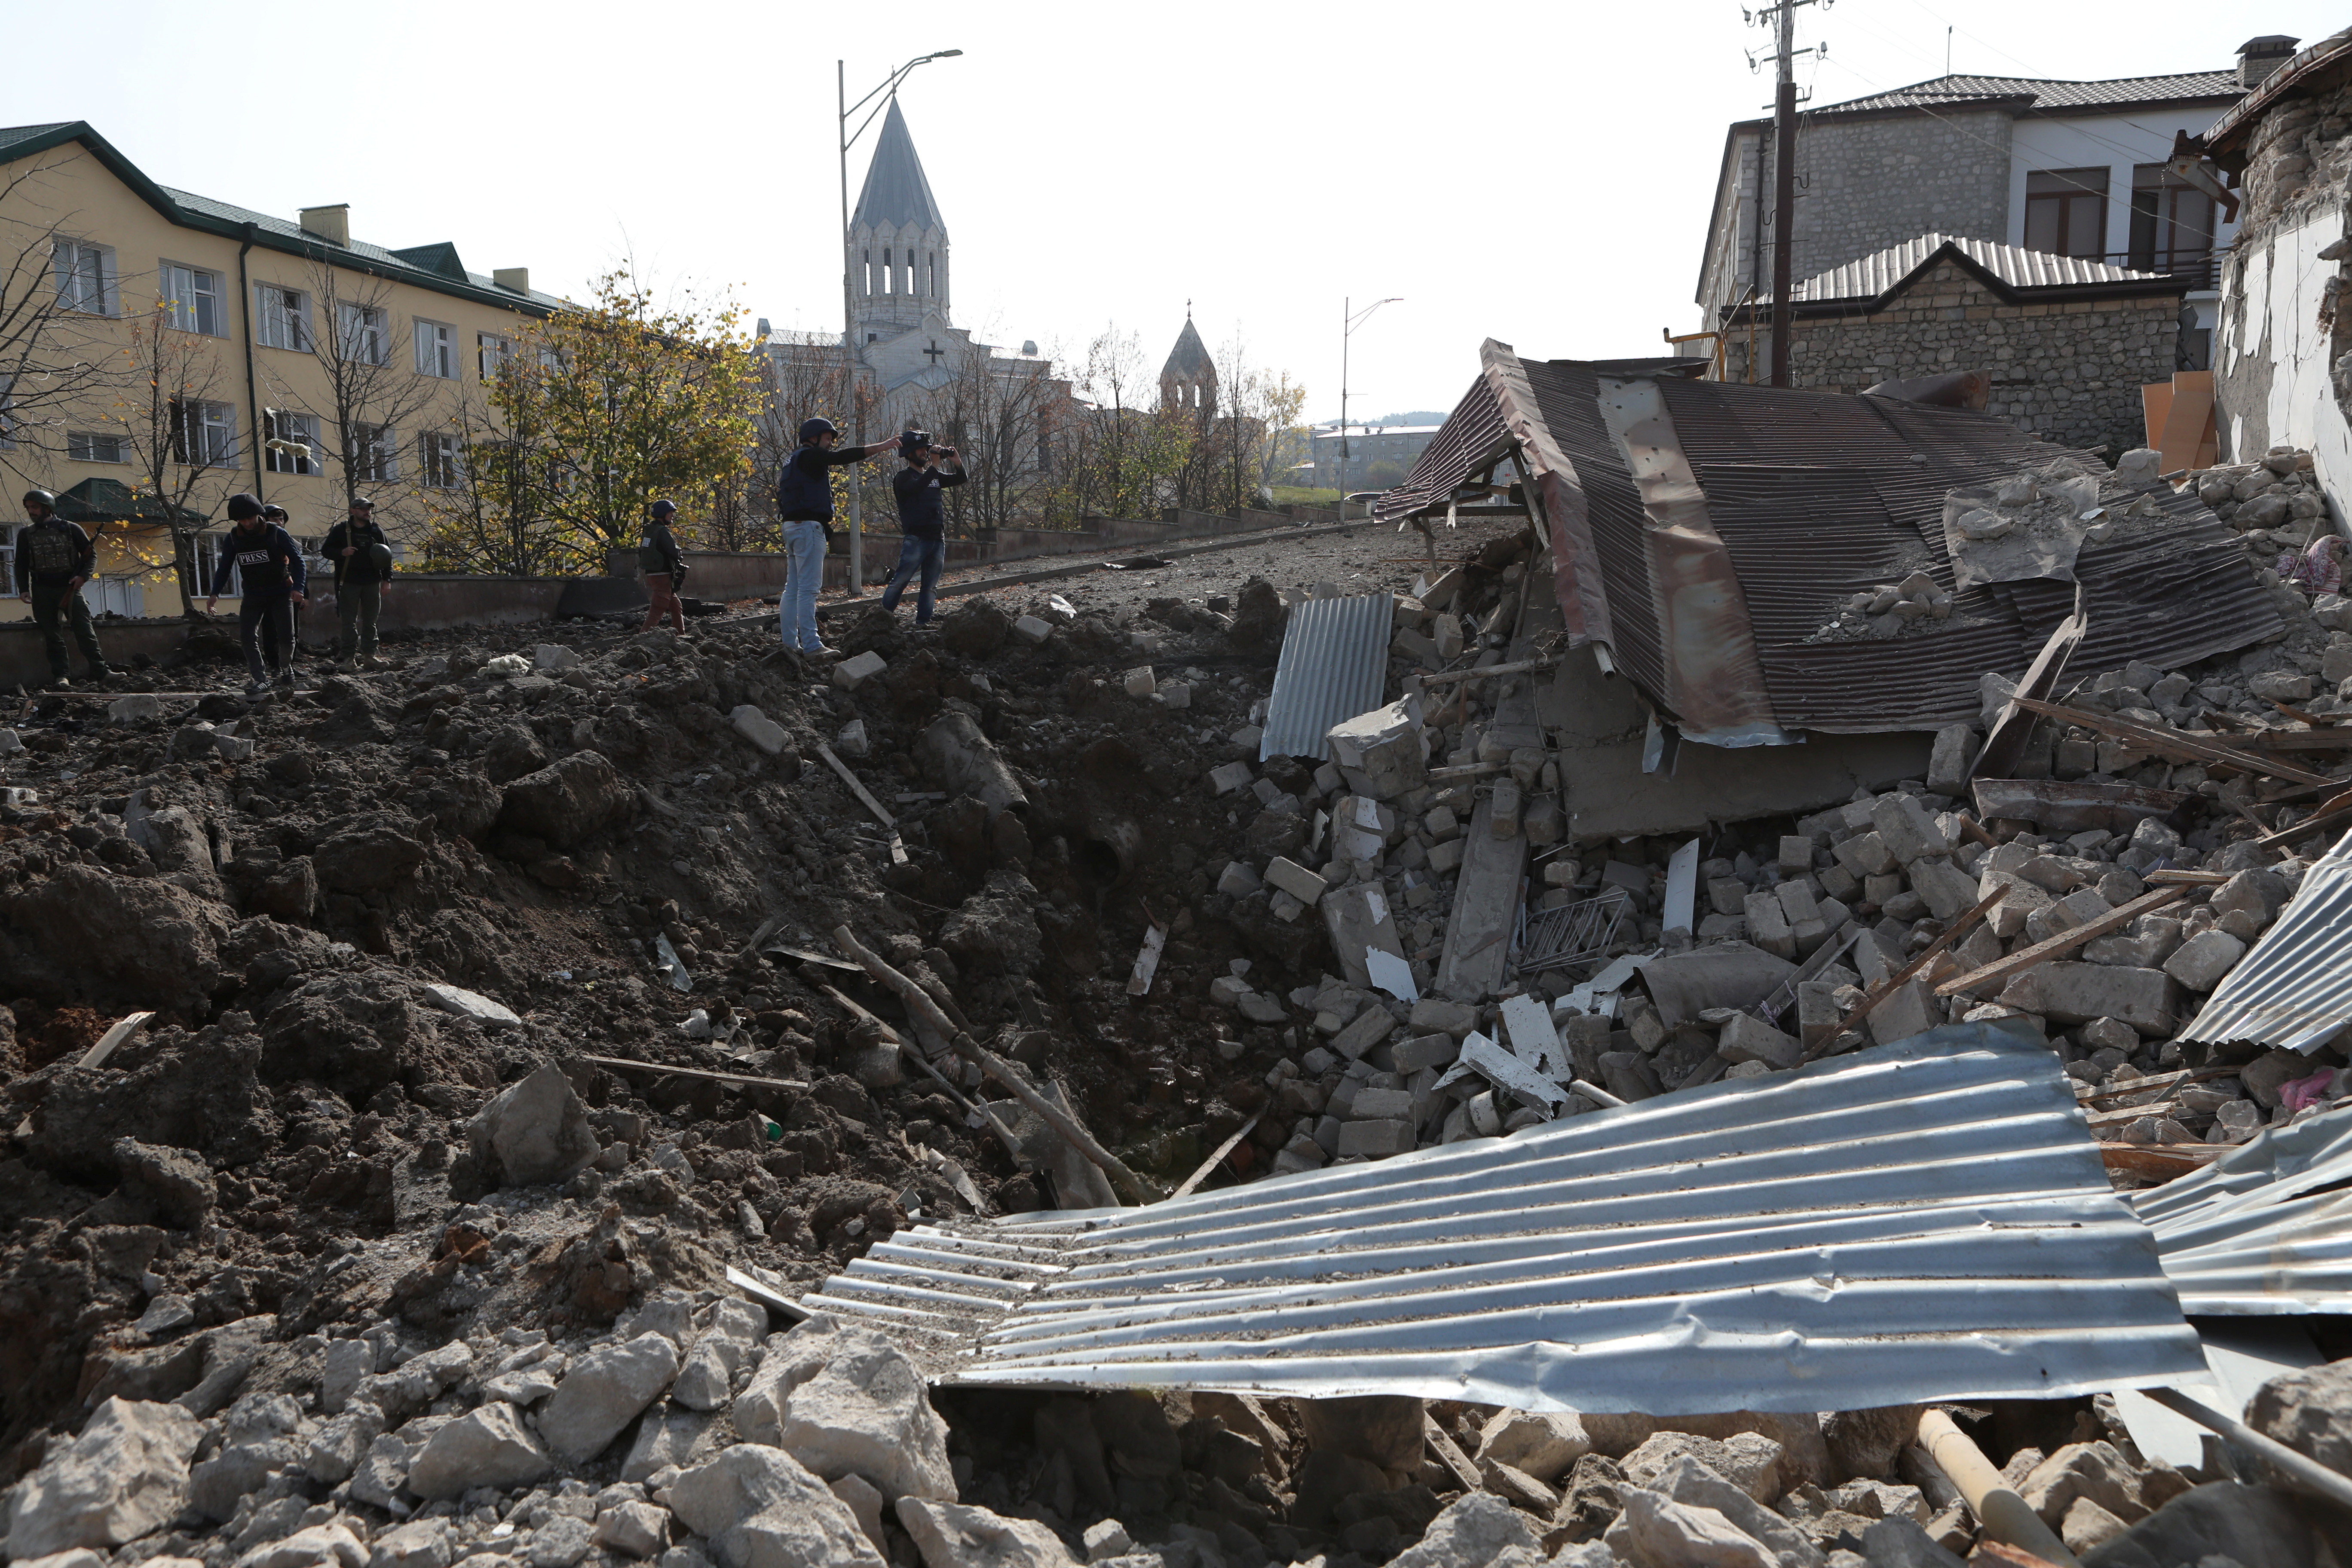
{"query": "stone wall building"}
pixel 2068 344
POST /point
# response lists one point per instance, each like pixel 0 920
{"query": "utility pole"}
pixel 1783 19
pixel 1348 322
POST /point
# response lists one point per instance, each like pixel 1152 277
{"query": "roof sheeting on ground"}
pixel 1813 496
pixel 2266 1229
pixel 2294 989
pixel 1335 662
pixel 1926 1220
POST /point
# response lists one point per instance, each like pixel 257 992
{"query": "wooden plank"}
pixel 805 956
pixel 1955 932
pixel 124 1028
pixel 2155 1080
pixel 1520 666
pixel 2163 1161
pixel 1223 1149
pixel 2169 741
pixel 2125 1115
pixel 2326 817
pixel 864 796
pixel 1147 960
pixel 626 1065
pixel 2333 739
pixel 1449 1454
pixel 2065 942
pixel 2170 878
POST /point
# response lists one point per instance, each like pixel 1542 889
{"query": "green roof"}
pixel 434 267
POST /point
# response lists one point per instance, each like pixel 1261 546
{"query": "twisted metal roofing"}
pixel 1926 1220
pixel 2294 989
pixel 2266 1229
pixel 1333 663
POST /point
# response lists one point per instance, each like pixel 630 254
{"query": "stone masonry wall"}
pixel 2069 371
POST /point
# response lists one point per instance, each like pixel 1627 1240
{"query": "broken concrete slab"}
pixel 1227 777
pixel 1486 909
pixel 1294 879
pixel 1722 974
pixel 1382 753
pixel 1357 917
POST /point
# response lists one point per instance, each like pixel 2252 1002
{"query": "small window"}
pixel 367 335
pixel 490 352
pixel 293 441
pixel 191 299
pixel 281 317
pixel 93 447
pixel 204 434
pixel 437 350
pixel 85 274
pixel 437 456
pixel 374 455
pixel 2066 212
pixel 2171 222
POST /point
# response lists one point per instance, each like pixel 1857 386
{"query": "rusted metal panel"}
pixel 1560 493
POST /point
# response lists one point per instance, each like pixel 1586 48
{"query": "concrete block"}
pixel 852 673
pixel 1541 819
pixel 1817 1015
pixel 1445 858
pixel 1032 630
pixel 1294 879
pixel 2149 1000
pixel 1505 818
pixel 1949 763
pixel 1380 1105
pixel 1727 895
pixel 1367 1030
pixel 1227 777
pixel 1768 926
pixel 2202 961
pixel 1381 752
pixel 1437 1050
pixel 1374 1140
pixel 1175 694
pixel 1445 631
pixel 1797 902
pixel 1139 681
pixel 1908 832
pixel 1440 823
pixel 1247 737
pixel 1909 1009
pixel 1284 907
pixel 1864 855
pixel 1948 890
pixel 1260 1008
pixel 1238 881
pixel 232 748
pixel 1750 1039
pixel 1416 646
pixel 1796 857
pixel 1227 990
pixel 850 739
pixel 1357 917
pixel 759 729
pixel 554 655
pixel 1454 1019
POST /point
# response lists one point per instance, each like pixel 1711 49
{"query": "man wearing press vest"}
pixel 270 577
pixel 804 503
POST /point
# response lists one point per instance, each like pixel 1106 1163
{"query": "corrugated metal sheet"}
pixel 1468 442
pixel 1927 1220
pixel 2294 989
pixel 2265 1229
pixel 1335 659
pixel 1954 91
pixel 1872 275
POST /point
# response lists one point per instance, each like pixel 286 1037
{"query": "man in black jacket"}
pixel 922 518
pixel 663 568
pixel 54 559
pixel 359 553
pixel 270 576
pixel 804 503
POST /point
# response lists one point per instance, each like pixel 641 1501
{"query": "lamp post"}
pixel 1347 324
pixel 850 355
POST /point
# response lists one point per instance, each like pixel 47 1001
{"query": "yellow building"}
pixel 162 350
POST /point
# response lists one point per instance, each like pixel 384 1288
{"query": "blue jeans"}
pixel 926 556
pixel 804 573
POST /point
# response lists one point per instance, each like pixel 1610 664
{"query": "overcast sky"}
pixel 1536 172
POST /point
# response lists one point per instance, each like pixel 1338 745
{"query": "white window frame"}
pixel 281 318
pixel 209 438
pixel 84 446
pixel 437 350
pixel 83 271
pixel 367 333
pixel 289 425
pixel 439 464
pixel 491 352
pixel 188 294
pixel 378 448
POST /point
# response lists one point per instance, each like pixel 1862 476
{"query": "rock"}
pixel 1655 1532
pixel 2221 1522
pixel 2094 1471
pixel 759 1508
pixel 124 1475
pixel 954 1535
pixel 417 1381
pixel 1476 1531
pixel 566 802
pixel 383 1472
pixel 855 671
pixel 336 1449
pixel 1948 764
pixel 850 740
pixel 1748 1459
pixel 2087 1525
pixel 1903 1543
pixel 1866 1443
pixel 423 1543
pixel 536 1133
pixel 2203 960
pixel 472 1005
pixel 756 727
pixel 955 757
pixel 328 1545
pixel 1689 1481
pixel 866 1504
pixel 1032 630
pixel 1750 1039
pixel 150 936
pixel 558 1543
pixel 1545 1447
pixel 489 1448
pixel 846 1400
pixel 631 1529
pixel 166 1314
pixel 666 1437
pixel 707 1379
pixel 174 1180
pixel 604 1391
pixel 2310 1410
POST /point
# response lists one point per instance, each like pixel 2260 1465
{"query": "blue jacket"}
pixel 267 564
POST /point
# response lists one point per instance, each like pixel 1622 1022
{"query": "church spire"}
pixel 899 243
pixel 896 194
pixel 1189 379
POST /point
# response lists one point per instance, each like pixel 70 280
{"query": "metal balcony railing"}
pixel 2200 269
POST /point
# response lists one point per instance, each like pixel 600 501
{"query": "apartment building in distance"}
pixel 161 350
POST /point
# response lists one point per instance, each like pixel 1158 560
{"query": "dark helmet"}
pixel 43 497
pixel 363 500
pixel 913 441
pixel 812 428
pixel 242 506
pixel 662 508
pixel 273 513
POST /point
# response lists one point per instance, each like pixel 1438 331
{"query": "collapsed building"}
pixel 1725 1021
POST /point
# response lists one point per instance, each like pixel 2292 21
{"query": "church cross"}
pixel 935 351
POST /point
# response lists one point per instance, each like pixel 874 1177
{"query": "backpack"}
pixel 799 497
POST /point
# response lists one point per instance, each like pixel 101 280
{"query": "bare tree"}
pixel 179 436
pixel 1002 415
pixel 57 347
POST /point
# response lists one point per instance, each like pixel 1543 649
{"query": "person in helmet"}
pixel 804 503
pixel 922 518
pixel 54 559
pixel 662 567
pixel 361 555
pixel 270 577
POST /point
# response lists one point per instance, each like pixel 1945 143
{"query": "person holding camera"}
pixel 922 518
pixel 805 506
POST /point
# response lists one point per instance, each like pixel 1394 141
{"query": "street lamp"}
pixel 850 348
pixel 1348 323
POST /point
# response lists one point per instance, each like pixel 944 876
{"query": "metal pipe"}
pixel 2001 1511
pixel 2302 1468
pixel 252 396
